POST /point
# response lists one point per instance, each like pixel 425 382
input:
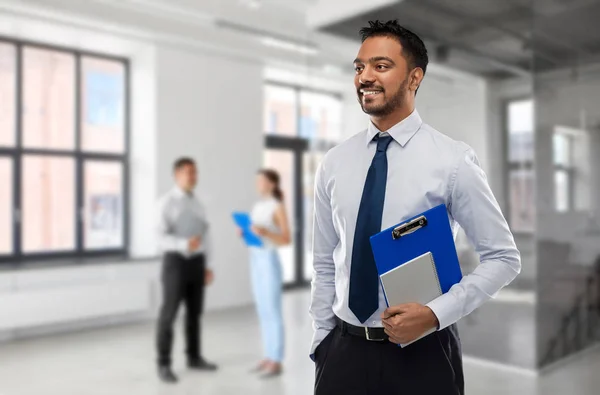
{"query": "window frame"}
pixel 18 152
pixel 571 172
pixel 511 166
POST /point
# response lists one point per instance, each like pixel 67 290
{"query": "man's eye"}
pixel 381 67
pixel 358 68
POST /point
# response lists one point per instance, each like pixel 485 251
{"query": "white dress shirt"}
pixel 182 216
pixel 263 215
pixel 425 169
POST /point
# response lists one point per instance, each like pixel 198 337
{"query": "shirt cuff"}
pixel 445 309
pixel 318 337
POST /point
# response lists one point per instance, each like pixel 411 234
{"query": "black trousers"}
pixel 350 365
pixel 182 281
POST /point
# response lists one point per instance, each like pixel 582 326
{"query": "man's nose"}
pixel 367 77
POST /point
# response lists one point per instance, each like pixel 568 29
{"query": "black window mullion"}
pixel 570 168
pixel 51 152
pixel 11 157
pixel 79 203
pixel 299 205
pixel 570 171
pixel 17 162
pixel 297 196
pixel 126 174
pixel 79 165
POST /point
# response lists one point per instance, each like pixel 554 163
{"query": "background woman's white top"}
pixel 263 214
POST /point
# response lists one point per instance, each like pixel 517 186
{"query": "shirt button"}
pixel 374 322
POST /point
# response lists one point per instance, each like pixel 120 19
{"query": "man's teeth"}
pixel 368 93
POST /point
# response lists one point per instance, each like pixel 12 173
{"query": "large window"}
pixel 571 159
pixel 63 153
pixel 520 157
pixel 562 144
pixel 296 119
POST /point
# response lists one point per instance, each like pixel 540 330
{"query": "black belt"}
pixel 371 334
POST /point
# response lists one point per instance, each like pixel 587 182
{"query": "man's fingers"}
pixel 387 324
pixel 393 310
pixel 394 340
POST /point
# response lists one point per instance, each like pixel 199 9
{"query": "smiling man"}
pixel 395 169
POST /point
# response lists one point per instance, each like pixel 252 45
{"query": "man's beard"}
pixel 389 106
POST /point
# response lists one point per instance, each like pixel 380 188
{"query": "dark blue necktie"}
pixel 364 281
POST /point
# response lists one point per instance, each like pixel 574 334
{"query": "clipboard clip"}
pixel 409 227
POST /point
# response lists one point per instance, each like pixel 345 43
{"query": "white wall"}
pixel 142 155
pixel 210 108
pixel 40 301
pixel 456 106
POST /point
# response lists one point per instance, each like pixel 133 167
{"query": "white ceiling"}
pixel 295 19
pixel 232 27
pixel 326 12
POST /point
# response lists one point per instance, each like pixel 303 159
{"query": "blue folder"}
pixel 243 221
pixel 429 231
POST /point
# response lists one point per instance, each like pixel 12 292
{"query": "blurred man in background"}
pixel 184 240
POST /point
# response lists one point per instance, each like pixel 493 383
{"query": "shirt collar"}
pixel 181 193
pixel 401 132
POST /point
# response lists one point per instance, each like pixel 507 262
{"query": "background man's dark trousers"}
pixel 182 281
pixel 350 365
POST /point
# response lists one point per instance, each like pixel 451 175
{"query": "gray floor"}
pixel 512 328
pixel 119 361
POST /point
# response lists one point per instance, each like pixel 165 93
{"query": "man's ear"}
pixel 416 78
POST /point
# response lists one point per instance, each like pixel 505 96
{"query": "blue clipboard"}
pixel 429 231
pixel 243 221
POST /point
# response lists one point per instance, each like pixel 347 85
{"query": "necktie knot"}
pixel 383 142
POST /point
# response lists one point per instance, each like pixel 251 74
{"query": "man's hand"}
pixel 404 323
pixel 259 230
pixel 209 277
pixel 194 243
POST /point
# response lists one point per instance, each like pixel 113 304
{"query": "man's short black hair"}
pixel 181 162
pixel 413 47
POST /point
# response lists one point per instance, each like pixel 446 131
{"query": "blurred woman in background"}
pixel 270 223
